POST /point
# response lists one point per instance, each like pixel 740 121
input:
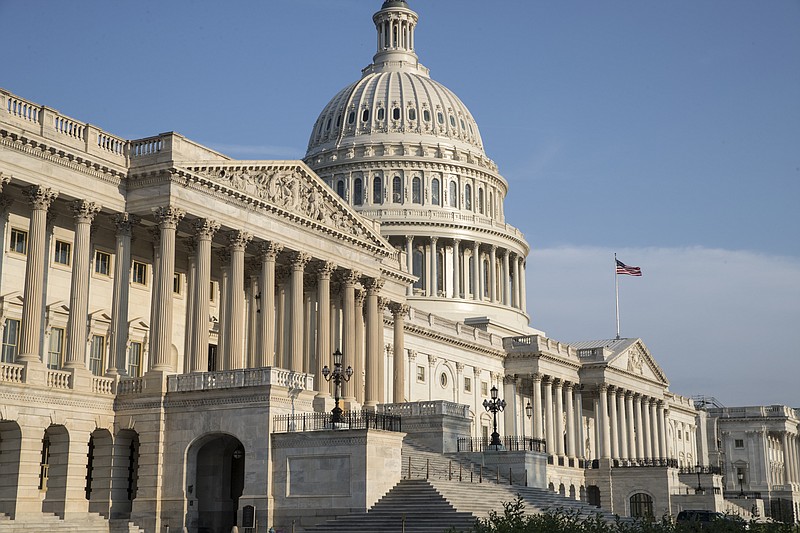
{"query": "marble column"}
pixel 570 415
pixel 633 426
pixel 399 312
pixel 614 427
pixel 654 445
pixel 204 230
pixel 324 348
pixel 662 434
pixel 40 199
pixel 457 269
pixel 646 429
pixel 548 415
pixel 238 241
pixel 124 223
pixel 374 330
pixel 637 399
pixel 191 278
pixel 493 273
pixel 268 254
pixel 224 259
pixel 155 240
pixel 506 284
pixel 359 368
pixel 537 406
pixel 605 434
pixel 410 262
pixel 515 292
pixel 281 311
pixel 254 349
pixel 476 272
pixel 349 280
pixel 298 262
pixel 558 429
pixel 161 341
pixel 522 287
pixel 434 268
pixel 84 213
pixel 623 425
pixel 579 421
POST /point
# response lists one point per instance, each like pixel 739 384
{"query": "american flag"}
pixel 622 268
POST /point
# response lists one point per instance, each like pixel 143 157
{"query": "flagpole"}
pixel 616 291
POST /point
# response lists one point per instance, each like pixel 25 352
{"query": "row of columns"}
pixel 509 291
pixel 791 457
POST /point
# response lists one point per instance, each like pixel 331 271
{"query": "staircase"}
pixel 90 523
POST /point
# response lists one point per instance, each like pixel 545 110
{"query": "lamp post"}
pixel 740 475
pixel 338 376
pixel 494 406
pixel 529 414
pixel 699 489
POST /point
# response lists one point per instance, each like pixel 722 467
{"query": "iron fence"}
pixel 349 420
pixel 510 443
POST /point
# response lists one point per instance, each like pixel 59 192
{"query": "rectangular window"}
pixel 55 351
pixel 96 355
pixel 484 388
pixel 10 340
pixel 467 384
pixel 19 241
pixel 139 273
pixel 135 359
pixel 421 374
pixel 63 253
pixel 177 283
pixel 102 263
pixel 738 443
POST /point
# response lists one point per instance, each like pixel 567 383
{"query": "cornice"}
pixel 447 339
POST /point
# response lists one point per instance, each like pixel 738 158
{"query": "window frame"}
pixel 60 353
pixel 9 347
pixel 97 253
pixel 91 360
pixel 128 365
pixel 468 384
pixel 12 243
pixel 135 264
pixel 56 246
pixel 420 373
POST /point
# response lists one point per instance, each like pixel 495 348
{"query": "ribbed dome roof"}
pixel 395 98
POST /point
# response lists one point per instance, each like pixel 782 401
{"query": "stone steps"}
pixel 91 523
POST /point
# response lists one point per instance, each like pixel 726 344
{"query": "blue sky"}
pixel 668 132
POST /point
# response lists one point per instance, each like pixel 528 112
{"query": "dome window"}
pixel 452 121
pixel 480 201
pixel 468 197
pixel 365 115
pixel 463 126
pixel 328 125
pixel 440 117
pixel 340 188
pixel 426 115
pixel 381 114
pixel 351 117
pixel 377 190
pixel 358 192
pixel 397 190
pixel 412 113
pixel 416 191
pixel 435 193
pixel 453 194
pixel 396 113
pixel 338 121
pixel 470 129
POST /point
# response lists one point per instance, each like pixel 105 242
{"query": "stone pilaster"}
pixel 204 230
pixel 223 331
pixel 161 341
pixel 124 223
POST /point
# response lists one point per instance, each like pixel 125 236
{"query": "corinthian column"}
pixel 349 279
pixel 605 453
pixel 124 223
pixel 161 341
pixel 324 350
pixel 548 415
pixel 493 274
pixel 204 230
pixel 359 359
pixel 646 429
pixel 269 253
pixel 614 427
pixel 84 213
pixel 40 199
pixel 238 241
pixel 476 272
pixel 410 262
pixel 399 312
pixel 623 425
pixel 559 416
pixel 298 262
pixel 537 406
pixel 434 285
pixel 515 290
pixel 570 417
pixel 506 284
pixel 640 432
pixel 374 343
pixel 456 268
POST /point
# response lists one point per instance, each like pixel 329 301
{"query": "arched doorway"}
pixel 10 439
pixel 216 480
pixel 593 495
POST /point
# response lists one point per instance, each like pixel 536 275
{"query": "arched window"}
pixel 381 114
pixel 435 191
pixel 351 117
pixel 416 191
pixel 328 124
pixel 642 506
pixel 468 197
pixel 440 117
pixel 338 120
pixel 396 113
pixel 418 265
pixel 426 115
pixel 453 194
pixel 340 188
pixel 485 278
pixel 440 272
pixel 365 115
pixel 397 190
pixel 358 192
pixel 480 201
pixel 412 113
pixel 377 190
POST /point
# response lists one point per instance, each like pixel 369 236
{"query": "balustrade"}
pixel 10 372
pixel 58 379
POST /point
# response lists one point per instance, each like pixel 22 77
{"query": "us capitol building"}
pixel 167 313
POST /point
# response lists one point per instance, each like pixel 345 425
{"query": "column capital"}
pixel 456 242
pixel 299 260
pixel 4 179
pixel 125 222
pixel 349 277
pixel 5 203
pixel 432 359
pixel 399 309
pixel 360 297
pixel 168 216
pixel 40 197
pixel 373 285
pixel 269 250
pixel 382 303
pixel 155 236
pixel 434 238
pixel 412 355
pixel 568 385
pixel 205 228
pixel 238 240
pixel 85 211
pixel 493 248
pixel 558 382
pixel 602 387
pixel 459 367
pixel 324 269
pixel 547 380
pixel 536 376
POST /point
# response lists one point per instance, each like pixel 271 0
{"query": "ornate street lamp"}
pixel 338 376
pixel 740 475
pixel 494 406
pixel 529 414
pixel 699 489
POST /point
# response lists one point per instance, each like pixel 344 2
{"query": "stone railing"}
pixel 56 126
pixel 425 408
pixel 58 379
pixel 539 344
pixel 753 411
pixel 250 377
pixel 11 373
pixel 428 215
pixel 130 386
pixel 101 385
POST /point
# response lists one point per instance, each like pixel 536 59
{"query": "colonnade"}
pixel 629 426
pixel 502 283
pixel 291 304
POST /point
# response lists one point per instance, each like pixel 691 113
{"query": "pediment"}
pixel 637 359
pixel 293 190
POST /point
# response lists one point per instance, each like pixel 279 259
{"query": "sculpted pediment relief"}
pixel 636 359
pixel 294 189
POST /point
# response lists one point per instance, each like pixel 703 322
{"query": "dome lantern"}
pixel 395 24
